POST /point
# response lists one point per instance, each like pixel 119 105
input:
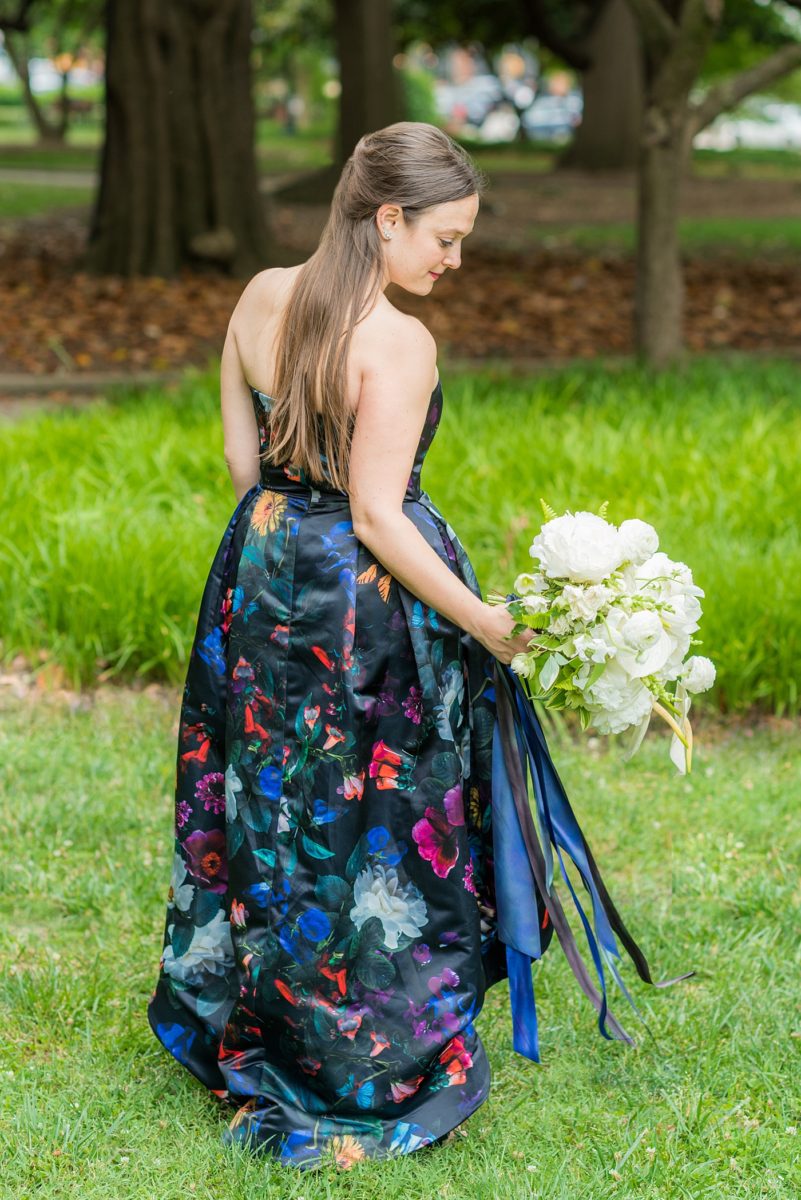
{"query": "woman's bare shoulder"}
pixel 263 294
pixel 389 336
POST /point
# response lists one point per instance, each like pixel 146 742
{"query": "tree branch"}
pixel 21 23
pixel 731 91
pixel 658 29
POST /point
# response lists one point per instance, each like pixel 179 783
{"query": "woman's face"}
pixel 415 255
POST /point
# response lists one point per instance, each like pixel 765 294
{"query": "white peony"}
pixel 638 540
pixel 210 952
pixel 181 891
pixel 578 546
pixel 616 701
pixel 586 602
pixel 378 892
pixel 698 674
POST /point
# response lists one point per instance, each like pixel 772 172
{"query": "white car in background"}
pixel 764 125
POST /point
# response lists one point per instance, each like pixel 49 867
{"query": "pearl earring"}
pixel 387 235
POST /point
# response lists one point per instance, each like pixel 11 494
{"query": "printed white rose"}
pixel 698 674
pixel 616 701
pixel 233 786
pixel 210 952
pixel 644 646
pixel 586 602
pixel 578 546
pixel 638 539
pixel 528 582
pixel 182 892
pixel 378 892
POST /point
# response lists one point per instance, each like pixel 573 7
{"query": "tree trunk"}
pixel 659 293
pixel 371 95
pixel 178 179
pixel 608 137
pixel 48 135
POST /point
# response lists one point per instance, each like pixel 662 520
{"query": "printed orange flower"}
pixel 347 1151
pixel 267 511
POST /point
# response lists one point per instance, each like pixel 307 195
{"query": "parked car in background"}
pixel 762 125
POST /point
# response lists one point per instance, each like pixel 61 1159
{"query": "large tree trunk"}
pixel 608 137
pixel 659 293
pixel 370 97
pixel 178 178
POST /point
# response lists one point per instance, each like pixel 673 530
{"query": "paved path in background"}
pixel 88 179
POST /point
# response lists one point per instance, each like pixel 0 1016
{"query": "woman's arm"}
pixel 392 407
pixel 240 430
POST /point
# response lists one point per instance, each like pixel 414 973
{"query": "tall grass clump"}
pixel 112 514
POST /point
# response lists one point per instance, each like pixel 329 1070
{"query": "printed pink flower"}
pixel 310 716
pixel 352 786
pixel 454 808
pixel 413 705
pixel 211 790
pixel 437 841
pixel 405 1088
pixel 182 813
pixel 469 884
pixel 207 859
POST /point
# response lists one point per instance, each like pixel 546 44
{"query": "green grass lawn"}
pixel 112 514
pixel 29 199
pixel 741 237
pixel 704 869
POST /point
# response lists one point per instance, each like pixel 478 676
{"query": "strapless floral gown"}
pixel 331 925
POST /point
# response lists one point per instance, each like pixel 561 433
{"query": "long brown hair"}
pixel 412 164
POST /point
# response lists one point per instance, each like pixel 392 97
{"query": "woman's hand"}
pixel 493 628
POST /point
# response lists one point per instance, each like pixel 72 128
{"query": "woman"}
pixel 331 926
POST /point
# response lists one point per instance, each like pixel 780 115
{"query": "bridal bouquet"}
pixel 614 617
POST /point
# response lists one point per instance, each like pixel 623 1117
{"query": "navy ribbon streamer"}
pixel 524 865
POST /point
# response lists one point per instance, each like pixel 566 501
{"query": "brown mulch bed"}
pixel 506 301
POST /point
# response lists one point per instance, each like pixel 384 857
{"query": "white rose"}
pixel 182 892
pixel 578 546
pixel 536 604
pixel 698 674
pixel 585 602
pixel 662 578
pixel 560 625
pixel 233 786
pixel 638 539
pixel 616 701
pixel 590 648
pixel 682 614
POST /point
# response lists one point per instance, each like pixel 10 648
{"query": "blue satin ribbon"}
pixel 524 868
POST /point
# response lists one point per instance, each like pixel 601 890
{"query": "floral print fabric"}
pixel 330 929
